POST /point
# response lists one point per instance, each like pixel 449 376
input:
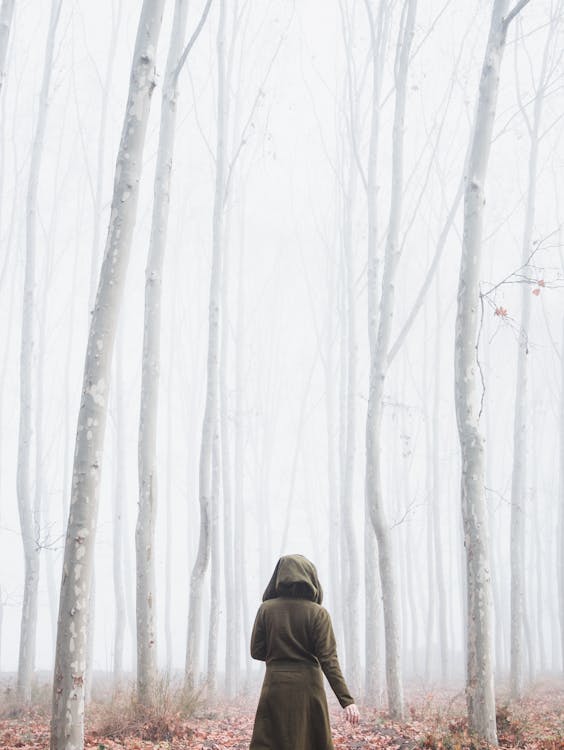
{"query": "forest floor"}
pixel 434 720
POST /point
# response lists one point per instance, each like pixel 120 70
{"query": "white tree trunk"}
pixel 242 614
pixel 378 367
pixel 479 677
pixel 209 428
pixel 560 541
pixel 67 723
pixel 228 521
pixel 28 524
pixel 215 572
pixel 148 417
pixel 379 36
pixel 349 555
pixel 436 490
pixel 6 16
pixel 120 495
pixel 519 472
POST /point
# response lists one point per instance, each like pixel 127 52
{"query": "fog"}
pixel 296 354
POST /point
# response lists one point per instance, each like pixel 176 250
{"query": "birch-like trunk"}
pixel 350 563
pixel 242 614
pixel 67 723
pixel 560 541
pixel 6 16
pixel 28 627
pixel 209 427
pixel 379 37
pixel 519 472
pixel 148 417
pixel 120 495
pixel 480 676
pixel 334 520
pixel 228 521
pixel 378 366
pixel 215 572
pixel 436 495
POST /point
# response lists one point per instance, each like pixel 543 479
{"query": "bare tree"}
pixel 210 432
pixel 380 343
pixel 6 16
pixel 519 474
pixel 560 540
pixel 479 677
pixel 28 523
pixel 67 722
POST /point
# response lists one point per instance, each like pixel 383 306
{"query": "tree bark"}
pixel 479 678
pixel 67 723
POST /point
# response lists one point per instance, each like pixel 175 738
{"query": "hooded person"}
pixel 293 634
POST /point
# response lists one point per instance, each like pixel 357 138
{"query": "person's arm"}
pixel 258 638
pixel 326 652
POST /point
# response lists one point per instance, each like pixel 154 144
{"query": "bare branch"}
pixel 511 15
pixel 192 40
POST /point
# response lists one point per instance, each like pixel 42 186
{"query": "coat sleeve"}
pixel 258 638
pixel 326 652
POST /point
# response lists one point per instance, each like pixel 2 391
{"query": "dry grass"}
pixel 123 716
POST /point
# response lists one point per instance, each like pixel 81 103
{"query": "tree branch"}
pixel 192 40
pixel 511 15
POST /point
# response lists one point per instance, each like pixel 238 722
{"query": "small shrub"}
pixel 123 716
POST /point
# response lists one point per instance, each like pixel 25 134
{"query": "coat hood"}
pixel 294 575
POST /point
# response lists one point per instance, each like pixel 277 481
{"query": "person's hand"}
pixel 352 714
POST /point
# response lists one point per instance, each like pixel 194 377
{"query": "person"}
pixel 293 634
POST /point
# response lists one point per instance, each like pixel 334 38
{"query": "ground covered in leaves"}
pixel 434 720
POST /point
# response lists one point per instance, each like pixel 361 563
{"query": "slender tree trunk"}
pixel 242 614
pixel 215 572
pixel 148 417
pixel 120 495
pixel 378 367
pixel 169 523
pixel 332 454
pixel 372 688
pixel 28 524
pixel 480 676
pixel 350 565
pixel 560 544
pixel 436 495
pixel 228 521
pixel 209 428
pixel 67 723
pixel 519 473
pixel 6 16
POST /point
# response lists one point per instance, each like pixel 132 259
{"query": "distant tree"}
pixel 6 16
pixel 29 520
pixel 210 426
pixel 519 484
pixel 67 722
pixel 560 539
pixel 379 327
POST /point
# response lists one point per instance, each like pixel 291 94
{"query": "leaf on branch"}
pixel 540 282
pixel 501 312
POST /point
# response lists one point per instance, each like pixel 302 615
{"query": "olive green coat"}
pixel 294 636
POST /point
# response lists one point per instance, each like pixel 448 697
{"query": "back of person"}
pixel 294 636
pixel 289 629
